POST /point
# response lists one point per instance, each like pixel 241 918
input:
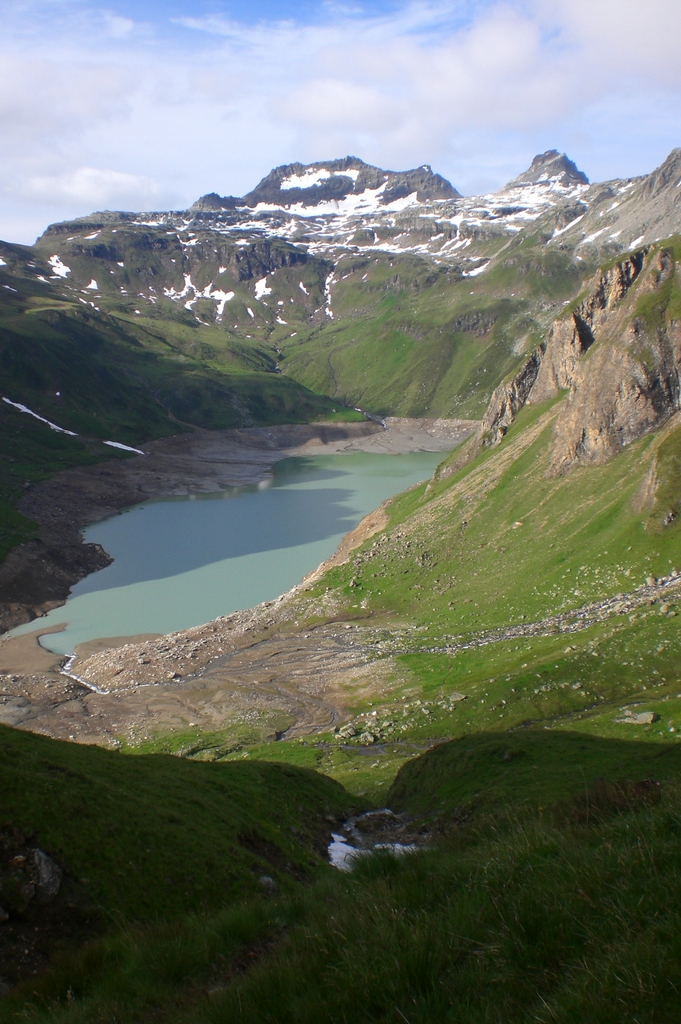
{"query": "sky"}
pixel 149 104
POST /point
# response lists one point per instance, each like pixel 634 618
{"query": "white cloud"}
pixel 44 99
pixel 474 88
pixel 118 28
pixel 89 187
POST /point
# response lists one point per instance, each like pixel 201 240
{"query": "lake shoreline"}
pixel 37 576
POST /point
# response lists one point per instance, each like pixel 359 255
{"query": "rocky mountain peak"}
pixel 332 181
pixel 667 175
pixel 551 165
pixel 213 203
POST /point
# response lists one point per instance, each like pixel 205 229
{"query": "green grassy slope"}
pixel 107 373
pixel 525 771
pixel 153 837
pixel 467 565
pixel 30 451
pixel 126 377
pixel 563 912
pixel 411 338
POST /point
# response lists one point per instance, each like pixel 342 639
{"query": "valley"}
pixel 493 653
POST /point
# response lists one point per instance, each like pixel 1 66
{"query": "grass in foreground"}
pixel 568 913
pixel 156 836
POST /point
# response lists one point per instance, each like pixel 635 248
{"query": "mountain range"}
pixel 329 287
pixel 498 646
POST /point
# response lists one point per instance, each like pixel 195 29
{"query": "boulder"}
pixel 48 875
pixel 638 718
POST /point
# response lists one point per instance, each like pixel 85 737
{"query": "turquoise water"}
pixel 180 562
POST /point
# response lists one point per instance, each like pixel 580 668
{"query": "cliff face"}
pixel 617 354
pixel 570 337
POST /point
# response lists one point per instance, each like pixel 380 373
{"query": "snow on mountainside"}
pixel 312 185
pixel 334 209
pixel 346 204
pixel 384 290
pixel 338 206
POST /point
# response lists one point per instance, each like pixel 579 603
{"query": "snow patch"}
pixel 636 242
pixel 364 202
pixel 261 288
pixel 208 292
pixel 561 231
pixel 478 270
pixel 250 311
pixel 59 269
pixel 50 424
pixel 222 299
pixel 590 238
pixel 314 176
pixel 303 288
pixel 2 262
pixel 92 286
pixel 327 294
pixel 124 447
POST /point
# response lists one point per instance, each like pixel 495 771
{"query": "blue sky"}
pixel 249 13
pixel 149 104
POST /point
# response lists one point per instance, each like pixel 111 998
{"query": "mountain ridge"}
pixel 345 205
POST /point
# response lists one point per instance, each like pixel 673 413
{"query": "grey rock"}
pixel 626 388
pixel 49 875
pixel 339 184
pixel 640 718
pixel 551 164
pixel 27 891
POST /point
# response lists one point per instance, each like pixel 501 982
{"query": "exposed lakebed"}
pixel 180 562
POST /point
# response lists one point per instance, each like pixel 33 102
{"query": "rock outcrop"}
pixel 573 335
pixel 551 165
pixel 508 399
pixel 333 180
pixel 630 324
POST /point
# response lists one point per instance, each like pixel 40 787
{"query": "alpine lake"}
pixel 182 561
